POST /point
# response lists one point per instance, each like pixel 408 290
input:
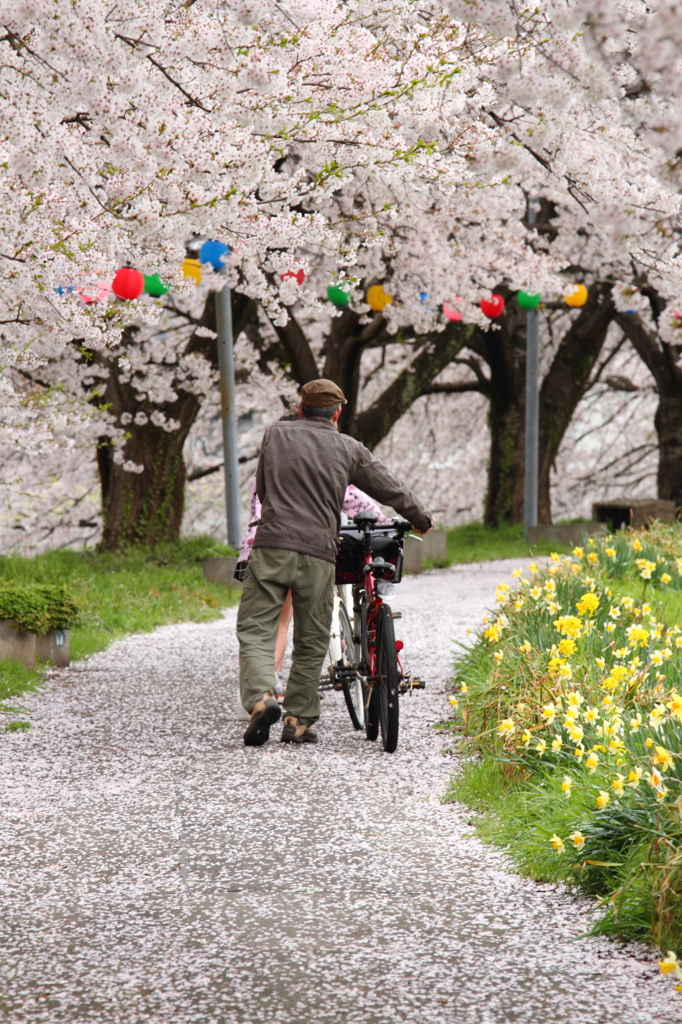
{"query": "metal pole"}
pixel 228 408
pixel 530 495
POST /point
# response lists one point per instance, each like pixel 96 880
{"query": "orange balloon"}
pixel 192 269
pixel 577 296
pixel 377 298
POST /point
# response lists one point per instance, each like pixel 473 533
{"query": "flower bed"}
pixel 573 693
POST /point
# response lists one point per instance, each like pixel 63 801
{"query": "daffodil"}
pixel 635 723
pixel 557 843
pixel 541 747
pixel 591 762
pixel 578 552
pixel 600 662
pixel 578 839
pixel 636 545
pixel 526 737
pixel 674 705
pixel 556 744
pixel 657 715
pixel 525 647
pixel 567 786
pixel 588 604
pixel 634 777
pixel 670 963
pixel 498 655
pixel 576 733
pixel 549 713
pixel 663 758
pixel 453 701
pixel 603 799
pixel 617 785
pixel 592 714
pixel 648 743
pixel 611 552
pixel 665 578
pixel 506 727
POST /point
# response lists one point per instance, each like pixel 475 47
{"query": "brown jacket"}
pixel 304 469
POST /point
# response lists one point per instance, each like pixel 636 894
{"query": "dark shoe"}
pixel 295 731
pixel 265 713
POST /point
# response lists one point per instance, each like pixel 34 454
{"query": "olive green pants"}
pixel 271 573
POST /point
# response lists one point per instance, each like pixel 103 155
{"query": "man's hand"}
pixel 424 532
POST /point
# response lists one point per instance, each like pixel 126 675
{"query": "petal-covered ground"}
pixel 154 870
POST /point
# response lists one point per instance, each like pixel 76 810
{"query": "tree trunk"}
pixel 146 507
pixel 504 350
pixel 661 360
pixel 567 381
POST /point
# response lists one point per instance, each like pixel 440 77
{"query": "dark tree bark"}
pixel 504 352
pixel 147 507
pixel 661 360
pixel 567 381
pixel 347 340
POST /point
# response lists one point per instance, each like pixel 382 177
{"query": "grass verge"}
pixel 476 542
pixel 570 698
pixel 119 593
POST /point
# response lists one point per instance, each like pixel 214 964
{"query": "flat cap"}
pixel 317 393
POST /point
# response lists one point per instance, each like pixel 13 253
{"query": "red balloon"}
pixel 128 283
pixel 492 307
pixel 298 275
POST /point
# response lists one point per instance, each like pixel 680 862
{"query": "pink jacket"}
pixel 354 501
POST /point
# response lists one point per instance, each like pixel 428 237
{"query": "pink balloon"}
pixel 450 313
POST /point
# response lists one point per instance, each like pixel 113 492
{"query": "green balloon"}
pixel 153 285
pixel 527 301
pixel 337 295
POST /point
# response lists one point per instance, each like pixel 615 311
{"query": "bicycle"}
pixel 366 661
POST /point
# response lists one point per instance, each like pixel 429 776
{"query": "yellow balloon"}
pixel 192 269
pixel 377 298
pixel 577 296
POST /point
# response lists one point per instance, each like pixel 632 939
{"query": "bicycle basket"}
pixel 350 561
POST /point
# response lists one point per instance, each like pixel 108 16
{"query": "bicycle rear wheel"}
pixel 388 679
pixel 353 689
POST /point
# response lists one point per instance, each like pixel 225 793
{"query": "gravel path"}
pixel 154 870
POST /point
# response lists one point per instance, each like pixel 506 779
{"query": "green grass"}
pixel 476 542
pixel 132 591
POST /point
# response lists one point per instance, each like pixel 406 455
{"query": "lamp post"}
pixel 228 409
pixel 530 492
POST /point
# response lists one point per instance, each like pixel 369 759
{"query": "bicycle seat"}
pixel 363 519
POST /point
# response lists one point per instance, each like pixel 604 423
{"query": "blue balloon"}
pixel 213 253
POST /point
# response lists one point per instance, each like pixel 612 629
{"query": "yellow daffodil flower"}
pixel 541 747
pixel 670 963
pixel 617 785
pixel 556 744
pixel 648 743
pixel 453 701
pixel 665 578
pixel 592 557
pixel 578 552
pixel 557 843
pixel 635 723
pixel 591 762
pixel 506 727
pixel 663 758
pixel 526 737
pixel 603 799
pixel 578 839
pixel 634 777
pixel 636 545
pixel 611 552
pixel 567 786
pixel 588 604
pixel 498 655
pixel 525 647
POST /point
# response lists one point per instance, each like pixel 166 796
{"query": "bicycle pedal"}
pixel 397 615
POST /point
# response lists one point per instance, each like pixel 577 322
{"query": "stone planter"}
pixel 220 570
pixel 15 645
pixel 435 547
pixel 414 552
pixel 54 647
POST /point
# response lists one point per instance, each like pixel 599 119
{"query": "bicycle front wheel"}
pixel 388 679
pixel 353 690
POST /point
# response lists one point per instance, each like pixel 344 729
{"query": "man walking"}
pixel 304 469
